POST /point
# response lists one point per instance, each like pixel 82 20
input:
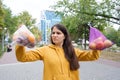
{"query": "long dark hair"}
pixel 68 47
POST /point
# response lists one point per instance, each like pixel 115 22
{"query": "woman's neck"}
pixel 59 45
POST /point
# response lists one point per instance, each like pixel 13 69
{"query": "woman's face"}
pixel 57 37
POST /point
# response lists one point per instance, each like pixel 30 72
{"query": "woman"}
pixel 60 58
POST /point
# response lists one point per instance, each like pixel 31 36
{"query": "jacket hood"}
pixel 53 46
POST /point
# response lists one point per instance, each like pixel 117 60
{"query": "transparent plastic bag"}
pixel 24 37
pixel 97 41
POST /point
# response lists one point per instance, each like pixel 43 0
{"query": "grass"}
pixel 115 56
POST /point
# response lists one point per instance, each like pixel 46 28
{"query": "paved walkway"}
pixel 8 58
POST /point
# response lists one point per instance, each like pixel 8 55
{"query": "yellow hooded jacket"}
pixel 56 66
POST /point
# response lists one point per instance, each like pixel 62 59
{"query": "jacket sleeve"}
pixel 87 55
pixel 31 55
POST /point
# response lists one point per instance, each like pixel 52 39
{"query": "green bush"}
pixel 1 51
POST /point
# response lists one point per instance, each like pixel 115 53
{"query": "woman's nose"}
pixel 55 34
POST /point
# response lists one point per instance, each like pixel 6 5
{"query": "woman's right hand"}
pixel 22 40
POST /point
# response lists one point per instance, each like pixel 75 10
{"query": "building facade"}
pixel 47 20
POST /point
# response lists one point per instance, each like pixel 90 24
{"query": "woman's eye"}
pixel 53 32
pixel 58 32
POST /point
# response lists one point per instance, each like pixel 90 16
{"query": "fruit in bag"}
pixel 24 37
pixel 108 43
pixel 92 45
pixel 31 38
pixel 100 45
pixel 97 41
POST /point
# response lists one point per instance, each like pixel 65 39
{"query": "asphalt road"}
pixel 34 71
pixel 99 71
pixel 11 69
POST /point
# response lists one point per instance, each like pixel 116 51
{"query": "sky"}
pixel 32 6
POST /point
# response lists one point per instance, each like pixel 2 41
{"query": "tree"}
pixel 1 14
pixel 118 38
pixel 1 18
pixel 36 33
pixel 10 21
pixel 25 18
pixel 88 11
pixel 77 13
pixel 113 35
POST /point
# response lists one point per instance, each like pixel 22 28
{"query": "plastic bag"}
pixel 23 37
pixel 97 41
